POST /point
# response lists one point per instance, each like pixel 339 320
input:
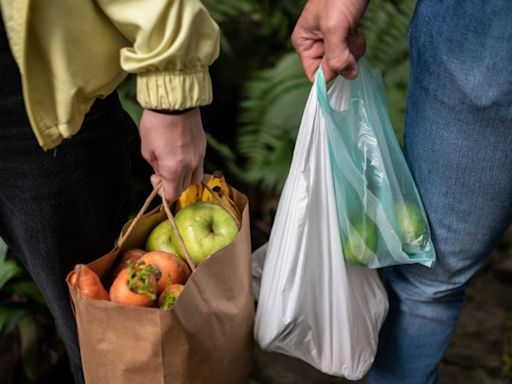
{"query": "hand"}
pixel 175 146
pixel 326 33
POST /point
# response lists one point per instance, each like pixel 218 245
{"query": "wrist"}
pixel 173 111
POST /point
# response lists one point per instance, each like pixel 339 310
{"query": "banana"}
pixel 190 195
pixel 218 184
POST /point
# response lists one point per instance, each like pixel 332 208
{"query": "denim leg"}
pixel 458 143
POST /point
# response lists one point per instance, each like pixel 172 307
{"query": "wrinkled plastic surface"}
pixel 311 304
pixel 380 213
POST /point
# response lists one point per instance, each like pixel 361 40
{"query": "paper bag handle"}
pixel 223 204
pixel 142 210
pixel 170 217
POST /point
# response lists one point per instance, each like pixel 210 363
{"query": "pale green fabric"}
pixel 71 52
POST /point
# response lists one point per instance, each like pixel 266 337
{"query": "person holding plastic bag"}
pixel 349 206
pixel 312 303
pixel 457 144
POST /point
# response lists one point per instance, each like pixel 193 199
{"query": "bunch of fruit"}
pixel 206 222
pixel 362 238
pixel 156 275
pixel 140 278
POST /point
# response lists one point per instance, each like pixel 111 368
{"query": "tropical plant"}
pixel 21 308
pixel 274 98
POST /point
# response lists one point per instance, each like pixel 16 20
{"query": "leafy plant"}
pixel 21 304
pixel 274 98
pixel 269 121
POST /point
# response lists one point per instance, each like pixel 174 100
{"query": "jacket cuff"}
pixel 174 90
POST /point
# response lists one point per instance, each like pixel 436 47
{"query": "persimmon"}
pixel 169 295
pixel 87 283
pixel 135 285
pixel 133 254
pixel 173 269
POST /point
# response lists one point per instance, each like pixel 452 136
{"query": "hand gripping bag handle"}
pixel 312 305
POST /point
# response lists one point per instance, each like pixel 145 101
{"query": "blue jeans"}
pixel 458 143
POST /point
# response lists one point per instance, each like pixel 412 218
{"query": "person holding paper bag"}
pixel 457 143
pixel 65 141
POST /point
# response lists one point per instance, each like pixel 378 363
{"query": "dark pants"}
pixel 63 206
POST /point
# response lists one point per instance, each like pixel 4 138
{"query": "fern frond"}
pixel 274 99
pixel 269 121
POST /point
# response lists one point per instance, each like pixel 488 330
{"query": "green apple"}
pixel 205 228
pixel 361 242
pixel 159 238
pixel 413 229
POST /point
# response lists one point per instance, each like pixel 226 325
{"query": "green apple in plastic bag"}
pixel 413 229
pixel 360 242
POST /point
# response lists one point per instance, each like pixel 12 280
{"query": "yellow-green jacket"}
pixel 70 52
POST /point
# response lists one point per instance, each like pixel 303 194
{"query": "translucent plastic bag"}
pixel 381 217
pixel 311 304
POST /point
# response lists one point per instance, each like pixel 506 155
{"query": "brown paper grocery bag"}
pixel 205 338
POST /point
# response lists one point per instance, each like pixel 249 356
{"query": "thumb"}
pixel 156 182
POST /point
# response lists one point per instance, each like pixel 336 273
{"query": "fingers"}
pixel 342 52
pixel 172 187
pixel 309 48
pixel 197 175
pixel 356 44
pixel 325 34
pixel 156 182
pixel 175 146
pixel 338 54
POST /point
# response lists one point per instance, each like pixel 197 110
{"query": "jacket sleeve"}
pixel 170 45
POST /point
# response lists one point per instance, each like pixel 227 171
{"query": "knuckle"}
pixel 336 64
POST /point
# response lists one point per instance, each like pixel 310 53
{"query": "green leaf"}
pixel 127 92
pixel 269 121
pixel 28 343
pixel 10 318
pixel 3 251
pixel 9 270
pixel 28 289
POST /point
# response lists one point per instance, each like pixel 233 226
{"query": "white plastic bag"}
pixel 311 304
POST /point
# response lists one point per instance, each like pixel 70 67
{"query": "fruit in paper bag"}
pixel 135 285
pixel 159 238
pixel 217 183
pixel 130 255
pixel 361 242
pixel 413 229
pixel 190 195
pixel 205 228
pixel 87 283
pixel 171 268
pixel 169 296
